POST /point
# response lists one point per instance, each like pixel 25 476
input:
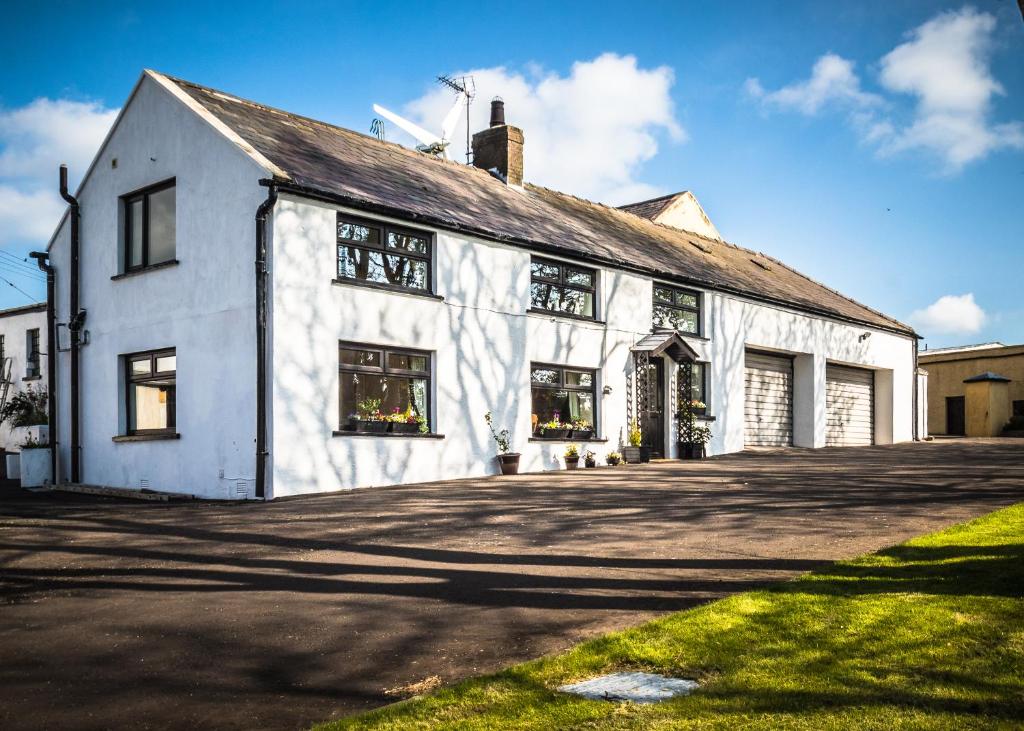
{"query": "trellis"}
pixel 640 391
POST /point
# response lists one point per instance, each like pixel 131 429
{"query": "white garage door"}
pixel 849 406
pixel 768 409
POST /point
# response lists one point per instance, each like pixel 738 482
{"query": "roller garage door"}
pixel 849 406
pixel 768 409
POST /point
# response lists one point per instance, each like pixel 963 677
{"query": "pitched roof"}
pixel 361 171
pixel 651 209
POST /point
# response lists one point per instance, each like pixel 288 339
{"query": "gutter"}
pixel 261 335
pixel 352 202
pixel 42 261
pixel 75 322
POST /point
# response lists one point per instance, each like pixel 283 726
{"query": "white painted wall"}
pixel 483 342
pixel 14 326
pixel 204 307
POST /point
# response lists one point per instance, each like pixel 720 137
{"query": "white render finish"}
pixel 478 330
pixel 14 326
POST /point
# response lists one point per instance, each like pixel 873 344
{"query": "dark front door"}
pixel 955 415
pixel 653 426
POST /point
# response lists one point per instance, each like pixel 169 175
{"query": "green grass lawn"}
pixel 929 634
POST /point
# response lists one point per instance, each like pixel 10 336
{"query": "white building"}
pixel 443 290
pixel 22 361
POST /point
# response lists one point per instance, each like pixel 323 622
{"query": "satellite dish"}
pixel 430 143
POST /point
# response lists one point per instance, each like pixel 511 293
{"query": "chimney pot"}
pixel 497 112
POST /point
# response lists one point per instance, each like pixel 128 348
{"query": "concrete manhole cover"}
pixel 634 687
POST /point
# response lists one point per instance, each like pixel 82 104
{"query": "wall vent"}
pixel 241 489
pixel 143 484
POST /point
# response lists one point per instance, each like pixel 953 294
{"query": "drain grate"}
pixel 633 687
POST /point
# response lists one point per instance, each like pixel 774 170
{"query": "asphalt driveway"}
pixel 202 615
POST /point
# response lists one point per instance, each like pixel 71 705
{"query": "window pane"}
pixel 541 295
pixel 359 233
pixel 550 404
pixel 361 264
pixel 407 242
pixel 406 362
pixel 580 277
pixel 544 270
pixel 579 378
pixel 352 356
pixel 166 364
pixel 404 272
pixel 151 405
pixel 661 294
pixel 396 394
pixel 161 226
pixel 544 375
pixel 686 300
pixel 141 366
pixel 134 243
pixel 681 320
pixel 697 392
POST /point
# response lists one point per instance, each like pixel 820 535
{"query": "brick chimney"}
pixel 499 148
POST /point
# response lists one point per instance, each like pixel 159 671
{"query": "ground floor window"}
pixel 698 387
pixel 383 389
pixel 151 391
pixel 562 398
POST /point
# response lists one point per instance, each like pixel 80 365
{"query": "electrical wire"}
pixel 34 299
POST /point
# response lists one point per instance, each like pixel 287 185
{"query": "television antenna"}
pixel 437 144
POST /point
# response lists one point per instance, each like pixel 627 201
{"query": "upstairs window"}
pixel 151 392
pixel 382 255
pixel 149 226
pixel 676 308
pixel 32 353
pixel 562 288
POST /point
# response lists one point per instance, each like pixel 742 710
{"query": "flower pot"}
pixel 405 427
pixel 645 454
pixel 572 463
pixel 582 434
pixel 691 451
pixel 556 433
pixel 590 463
pixel 509 463
pixel 631 455
pixel 35 467
pixel 376 427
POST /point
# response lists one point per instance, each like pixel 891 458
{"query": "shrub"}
pixel 25 408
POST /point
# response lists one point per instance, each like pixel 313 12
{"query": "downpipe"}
pixel 42 261
pixel 75 322
pixel 262 214
pixel 917 431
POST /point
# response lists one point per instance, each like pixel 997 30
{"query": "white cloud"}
pixel 944 64
pixel 587 133
pixel 950 315
pixel 832 81
pixel 34 140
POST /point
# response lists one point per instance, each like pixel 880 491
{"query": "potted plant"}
pixel 35 463
pixel 582 429
pixel 695 447
pixel 406 422
pixel 368 417
pixel 572 457
pixel 613 458
pixel 634 437
pixel 589 459
pixel 26 410
pixel 555 429
pixel 698 407
pixel 508 459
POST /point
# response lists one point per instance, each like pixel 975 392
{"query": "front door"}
pixel 653 422
pixel 955 416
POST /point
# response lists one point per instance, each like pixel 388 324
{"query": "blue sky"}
pixel 876 146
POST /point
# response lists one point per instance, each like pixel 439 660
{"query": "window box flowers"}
pixel 369 418
pixel 554 429
pixel 406 422
pixel 582 429
pixel 698 407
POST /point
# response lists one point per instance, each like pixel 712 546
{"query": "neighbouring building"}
pixel 22 361
pixel 292 276
pixel 973 390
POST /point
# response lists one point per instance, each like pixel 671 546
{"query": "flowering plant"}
pixel 635 436
pixel 502 438
pixel 613 458
pixel 698 404
pixel 369 410
pixel 572 452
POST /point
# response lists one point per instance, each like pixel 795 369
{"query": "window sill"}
pixel 567 440
pixel 146 437
pixel 386 288
pixel 33 378
pixel 145 270
pixel 563 315
pixel 385 434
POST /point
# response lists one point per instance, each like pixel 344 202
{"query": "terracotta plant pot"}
pixel 572 463
pixel 509 463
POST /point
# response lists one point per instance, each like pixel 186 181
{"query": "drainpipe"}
pixel 42 262
pixel 261 336
pixel 916 433
pixel 76 319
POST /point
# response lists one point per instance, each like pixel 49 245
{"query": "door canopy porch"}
pixel 665 342
pixel 641 398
